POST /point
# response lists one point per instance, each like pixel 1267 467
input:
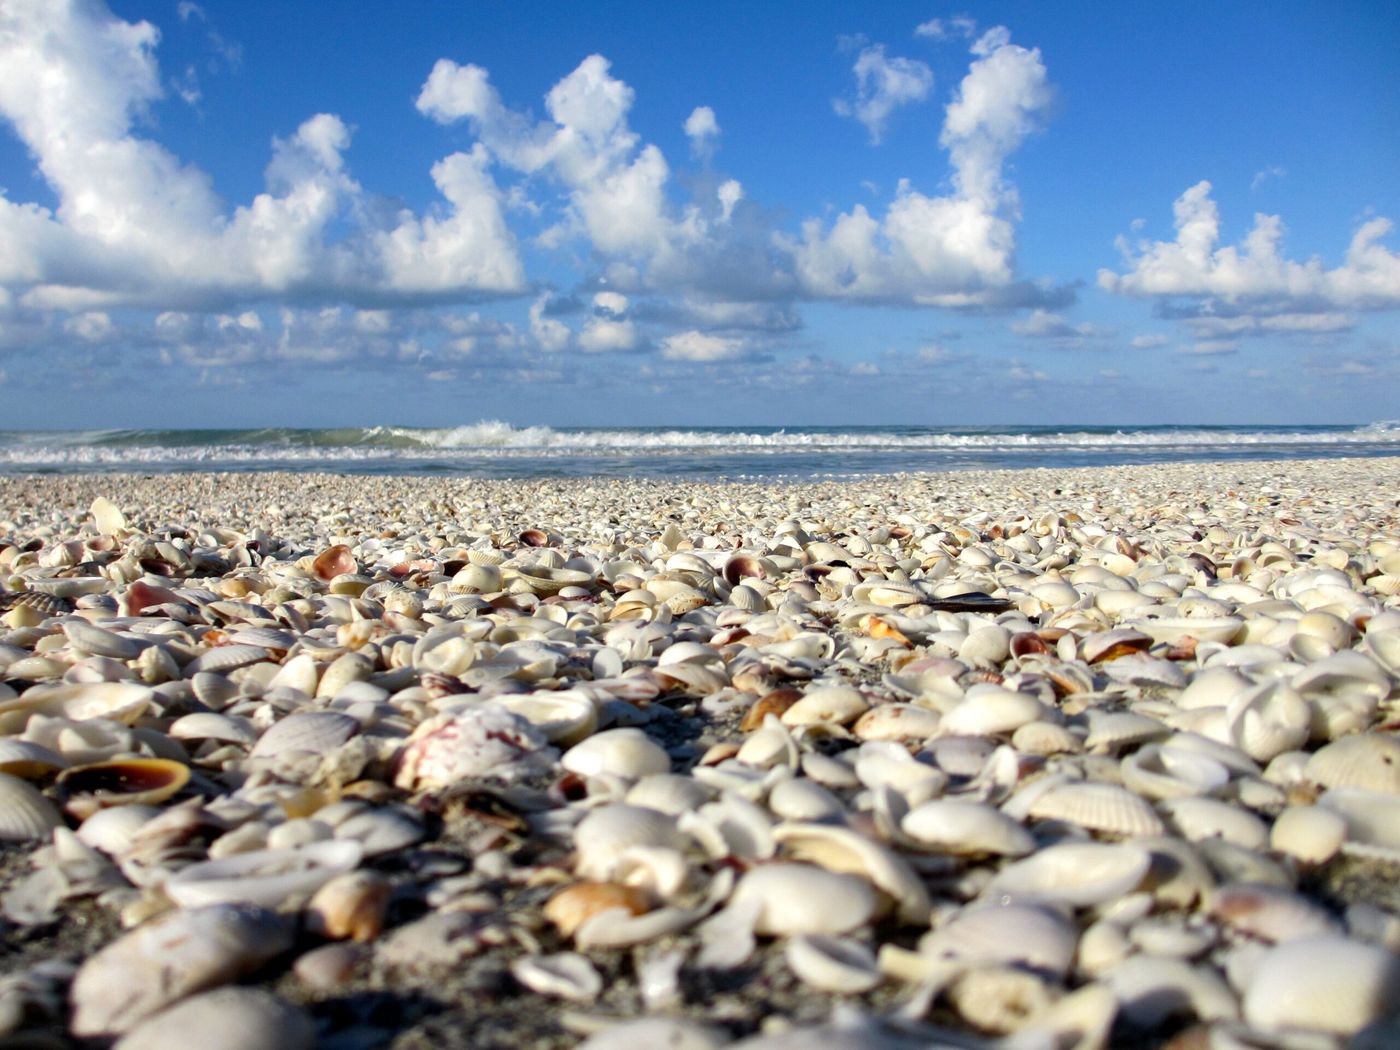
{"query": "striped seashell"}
pixel 315 731
pixel 1108 808
pixel 224 658
pixel 25 814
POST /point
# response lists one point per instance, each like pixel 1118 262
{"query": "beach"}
pixel 1065 756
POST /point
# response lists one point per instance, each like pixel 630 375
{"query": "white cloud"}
pixel 947 28
pixel 602 334
pixel 1254 274
pixel 1042 324
pixel 730 193
pixel 550 334
pixel 1262 176
pixel 135 225
pixel 92 327
pixel 1149 342
pixel 700 346
pixel 702 129
pixel 610 303
pixel 950 250
pixel 865 368
pixel 883 85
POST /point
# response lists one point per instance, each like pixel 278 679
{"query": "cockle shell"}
pixel 1098 807
pixel 25 814
pixel 1329 984
pixel 169 958
pixel 1366 761
pixel 312 731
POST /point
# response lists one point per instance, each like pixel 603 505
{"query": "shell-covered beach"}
pixel 1041 758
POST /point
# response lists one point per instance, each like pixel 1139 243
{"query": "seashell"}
pixel 112 830
pixel 1076 874
pixel 29 760
pixel 225 658
pixel 1308 834
pixel 25 814
pixel 741 566
pixel 1098 807
pixel 1174 630
pixel 382 830
pixel 601 838
pixel 987 710
pixel 670 1033
pixel 225 1019
pixel 169 958
pixel 123 702
pixel 332 562
pixel 566 975
pixel 544 580
pixel 966 828
pixel 267 878
pixel 667 793
pixel 1267 720
pixel 844 850
pixel 1365 761
pixel 626 752
pixel 107 517
pixel 832 964
pixel 1271 913
pixel 575 905
pixel 999 999
pixel 1152 989
pixel 1112 730
pixel 208 725
pixel 1197 819
pixel 840 705
pixel 1111 645
pixel 793 898
pixel 1045 738
pixel 1328 984
pixel 214 691
pixel 1371 817
pixel 895 721
pixel 317 732
pixel 483 740
pixel 85 789
pixel 800 799
pixel 563 717
pixel 96 641
pixel 350 905
pixel 1029 935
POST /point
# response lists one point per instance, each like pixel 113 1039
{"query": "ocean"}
pixel 492 449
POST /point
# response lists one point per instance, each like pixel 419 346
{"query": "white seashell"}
pixel 1267 720
pixel 966 828
pixel 832 964
pixel 1112 730
pixel 25 814
pixel 1371 817
pixel 1173 630
pixel 802 898
pixel 1046 738
pixel 1014 934
pixel 97 641
pixel 668 793
pixel 627 753
pixel 601 838
pixel 107 517
pixel 1152 989
pixel 209 725
pixel 987 710
pixel 836 704
pixel 28 760
pixel 1271 913
pixel 845 850
pixel 1161 771
pixel 566 975
pixel 318 732
pixel 301 673
pixel 222 659
pixel 999 999
pixel 1328 984
pixel 1366 761
pixel 1077 874
pixel 169 958
pixel 801 799
pixel 123 702
pixel 382 830
pixel 1309 834
pixel 564 717
pixel 1197 819
pixel 263 877
pixel 111 830
pixel 1098 807
pixel 481 740
pixel 896 721
pixel 225 1019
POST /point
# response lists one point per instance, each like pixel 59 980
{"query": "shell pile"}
pixel 1069 759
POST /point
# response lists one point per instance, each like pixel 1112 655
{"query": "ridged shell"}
pixel 25 814
pixel 1366 761
pixel 1329 984
pixel 224 658
pixel 315 731
pixel 1098 807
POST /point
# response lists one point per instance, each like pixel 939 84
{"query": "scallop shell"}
pixel 319 732
pixel 1365 761
pixel 169 958
pixel 1098 807
pixel 263 877
pixel 225 658
pixel 25 814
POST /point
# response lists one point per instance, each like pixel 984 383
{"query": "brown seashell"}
pixel 1027 643
pixel 878 628
pixel 574 905
pixel 772 703
pixel 123 781
pixel 534 538
pixel 333 562
pixel 350 906
pixel 741 565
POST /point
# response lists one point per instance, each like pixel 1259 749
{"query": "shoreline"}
pixel 951 618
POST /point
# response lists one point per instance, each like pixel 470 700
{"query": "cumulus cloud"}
pixel 1254 275
pixel 550 335
pixel 701 346
pixel 883 84
pixel 609 328
pixel 1042 324
pixel 702 129
pixel 134 224
pixel 953 250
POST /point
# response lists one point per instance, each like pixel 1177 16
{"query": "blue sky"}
pixel 254 213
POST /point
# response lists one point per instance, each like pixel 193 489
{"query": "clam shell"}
pixel 1271 913
pixel 601 838
pixel 566 975
pixel 26 759
pixel 25 814
pixel 832 964
pixel 626 752
pixel 802 898
pixel 1028 935
pixel 225 1019
pixel 836 704
pixel 1309 834
pixel 145 781
pixel 123 702
pixel 988 710
pixel 966 828
pixel 169 958
pixel 845 850
pixel 1152 989
pixel 1077 874
pixel 1328 984
pixel 563 717
pixel 267 878
pixel 1198 819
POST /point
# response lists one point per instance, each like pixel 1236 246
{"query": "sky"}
pixel 252 213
